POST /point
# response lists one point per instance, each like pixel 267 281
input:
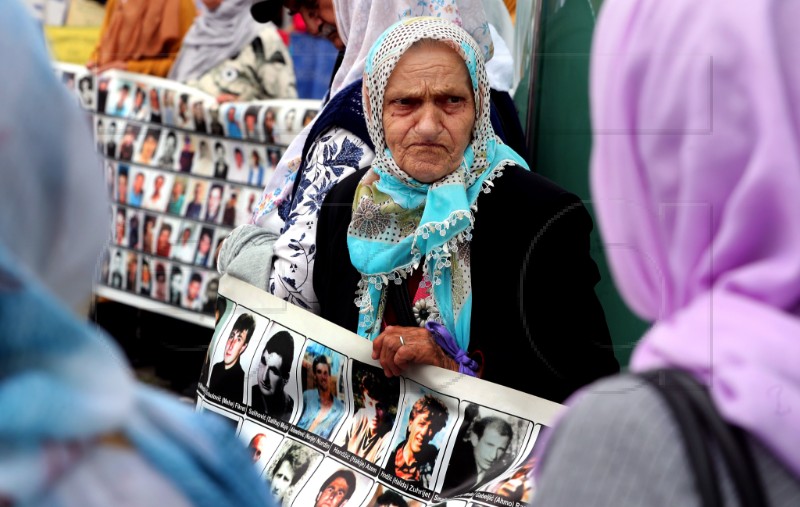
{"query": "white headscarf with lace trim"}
pixel 360 23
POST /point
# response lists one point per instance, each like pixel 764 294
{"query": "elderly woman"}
pixel 335 145
pixel 421 238
pixel 696 177
pixel 76 428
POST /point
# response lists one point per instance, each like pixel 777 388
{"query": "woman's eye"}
pixel 455 100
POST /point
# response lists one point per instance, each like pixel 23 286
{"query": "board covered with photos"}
pixel 323 421
pixel 182 171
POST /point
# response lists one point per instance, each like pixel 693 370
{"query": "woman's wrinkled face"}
pixel 429 111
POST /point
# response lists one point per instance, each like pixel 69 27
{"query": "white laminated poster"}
pixel 326 425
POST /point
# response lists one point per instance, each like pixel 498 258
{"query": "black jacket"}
pixel 535 316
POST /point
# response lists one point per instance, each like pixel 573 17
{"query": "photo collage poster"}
pixel 324 422
pixel 182 171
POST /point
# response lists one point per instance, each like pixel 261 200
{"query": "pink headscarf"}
pixel 696 181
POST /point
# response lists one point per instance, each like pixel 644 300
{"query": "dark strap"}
pixel 700 424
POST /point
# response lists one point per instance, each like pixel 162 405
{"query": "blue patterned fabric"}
pixel 344 111
pixel 64 381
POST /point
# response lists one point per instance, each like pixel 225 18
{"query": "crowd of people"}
pixel 213 45
pixel 427 232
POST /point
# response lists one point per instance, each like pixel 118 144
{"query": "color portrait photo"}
pixel 232 356
pixel 368 432
pixel 261 442
pixel 424 425
pixel 333 485
pixel 323 390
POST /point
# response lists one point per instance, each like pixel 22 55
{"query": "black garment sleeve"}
pixel 550 336
pixel 573 338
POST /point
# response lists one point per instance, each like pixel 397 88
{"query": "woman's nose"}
pixel 428 121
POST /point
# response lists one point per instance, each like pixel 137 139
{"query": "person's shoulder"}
pixel 516 182
pixel 618 408
pixel 338 136
pixel 520 192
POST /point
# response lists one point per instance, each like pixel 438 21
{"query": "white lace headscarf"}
pixel 360 23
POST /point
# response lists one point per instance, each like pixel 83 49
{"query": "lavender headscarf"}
pixel 696 181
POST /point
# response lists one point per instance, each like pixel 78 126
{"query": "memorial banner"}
pixel 327 427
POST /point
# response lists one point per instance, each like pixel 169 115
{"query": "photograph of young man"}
pixel 322 408
pixel 479 458
pixel 227 376
pixel 369 433
pixel 269 395
pixel 414 458
pixel 290 468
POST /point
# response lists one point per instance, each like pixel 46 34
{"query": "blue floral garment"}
pixel 336 154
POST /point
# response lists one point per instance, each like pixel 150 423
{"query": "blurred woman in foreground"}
pixel 695 178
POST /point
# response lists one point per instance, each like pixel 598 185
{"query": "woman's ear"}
pixel 479 101
pixel 367 105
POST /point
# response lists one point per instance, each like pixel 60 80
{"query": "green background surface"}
pixel 559 130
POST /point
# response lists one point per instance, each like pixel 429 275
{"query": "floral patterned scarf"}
pixel 397 221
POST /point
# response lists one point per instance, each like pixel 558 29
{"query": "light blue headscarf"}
pixel 65 388
pixel 397 221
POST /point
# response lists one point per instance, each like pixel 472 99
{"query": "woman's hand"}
pixel 417 347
